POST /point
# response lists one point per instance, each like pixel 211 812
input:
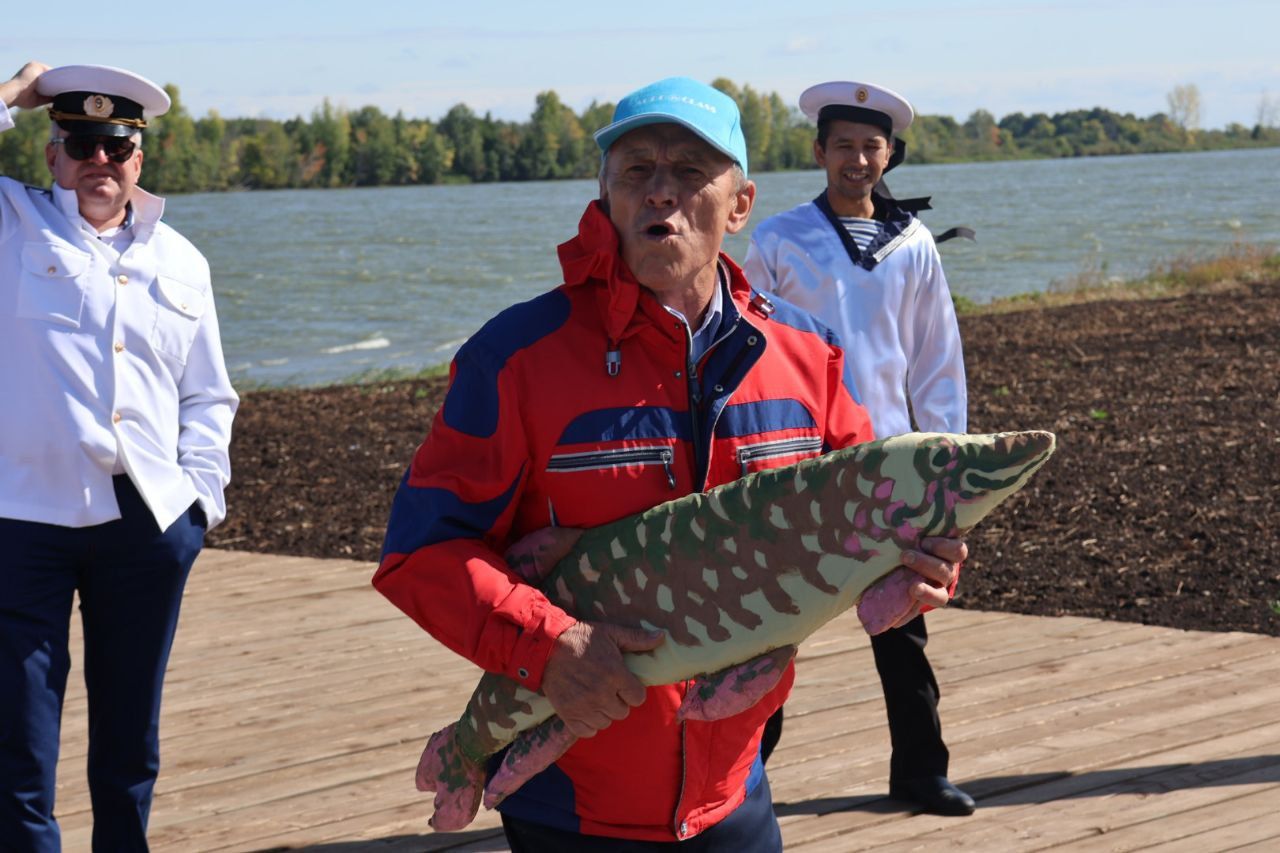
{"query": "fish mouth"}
pixel 1012 458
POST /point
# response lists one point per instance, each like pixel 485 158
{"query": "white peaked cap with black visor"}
pixel 866 103
pixel 101 100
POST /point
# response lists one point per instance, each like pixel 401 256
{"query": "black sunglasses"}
pixel 117 148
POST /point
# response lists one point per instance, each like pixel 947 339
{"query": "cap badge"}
pixel 861 95
pixel 98 106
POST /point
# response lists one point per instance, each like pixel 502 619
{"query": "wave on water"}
pixel 370 343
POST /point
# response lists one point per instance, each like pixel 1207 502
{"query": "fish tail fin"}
pixel 456 779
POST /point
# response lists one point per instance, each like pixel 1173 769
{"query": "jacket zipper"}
pixel 749 453
pixel 596 460
pixel 681 827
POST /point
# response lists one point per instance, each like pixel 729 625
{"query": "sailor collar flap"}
pixel 897 224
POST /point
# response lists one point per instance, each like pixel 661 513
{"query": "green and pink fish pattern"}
pixel 737 577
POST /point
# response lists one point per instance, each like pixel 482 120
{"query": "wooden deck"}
pixel 298 700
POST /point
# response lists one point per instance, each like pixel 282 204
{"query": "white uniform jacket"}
pixel 109 363
pixel 896 320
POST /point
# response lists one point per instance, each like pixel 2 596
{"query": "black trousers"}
pixel 911 703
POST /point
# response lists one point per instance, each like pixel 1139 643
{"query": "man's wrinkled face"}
pixel 102 186
pixel 672 198
pixel 854 157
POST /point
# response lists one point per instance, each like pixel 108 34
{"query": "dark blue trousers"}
pixel 130 576
pixel 750 828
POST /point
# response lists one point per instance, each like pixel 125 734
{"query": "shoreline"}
pixel 1243 263
pixel 1160 507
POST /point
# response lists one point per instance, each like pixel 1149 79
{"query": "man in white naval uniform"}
pixel 862 263
pixel 114 437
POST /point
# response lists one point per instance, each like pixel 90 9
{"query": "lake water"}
pixel 317 286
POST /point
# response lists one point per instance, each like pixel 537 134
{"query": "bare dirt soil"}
pixel 1159 507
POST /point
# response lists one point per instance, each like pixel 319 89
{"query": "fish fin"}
pixel 535 554
pixel 887 601
pixel 735 689
pixel 533 751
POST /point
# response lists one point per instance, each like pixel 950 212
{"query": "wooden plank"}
pixel 1226 823
pixel 298 700
pixel 1069 807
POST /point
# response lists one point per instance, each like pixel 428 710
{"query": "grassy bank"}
pixel 1242 263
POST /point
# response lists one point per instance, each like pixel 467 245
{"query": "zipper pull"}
pixel 613 361
pixel 667 456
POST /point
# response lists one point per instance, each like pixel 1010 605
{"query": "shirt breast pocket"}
pixel 181 305
pixel 52 285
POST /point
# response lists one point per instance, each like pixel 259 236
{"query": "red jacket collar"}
pixel 594 255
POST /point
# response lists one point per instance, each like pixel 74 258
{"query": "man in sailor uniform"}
pixel 863 263
pixel 115 423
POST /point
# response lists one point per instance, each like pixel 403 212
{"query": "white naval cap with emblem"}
pixel 861 102
pixel 100 99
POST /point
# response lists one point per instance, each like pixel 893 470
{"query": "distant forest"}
pixel 338 147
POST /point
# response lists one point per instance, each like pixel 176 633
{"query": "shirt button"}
pixel 522 672
pixel 122 278
pixel 51 270
pixel 677 374
pixel 115 419
pixel 119 347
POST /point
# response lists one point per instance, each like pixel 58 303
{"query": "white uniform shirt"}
pixel 896 321
pixel 110 360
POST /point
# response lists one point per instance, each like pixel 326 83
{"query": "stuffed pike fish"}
pixel 737 577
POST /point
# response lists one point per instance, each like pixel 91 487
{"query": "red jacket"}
pixel 535 429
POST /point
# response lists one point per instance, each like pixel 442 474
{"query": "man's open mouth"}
pixel 659 229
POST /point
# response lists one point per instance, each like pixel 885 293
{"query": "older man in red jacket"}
pixel 654 371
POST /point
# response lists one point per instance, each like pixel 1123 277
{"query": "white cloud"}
pixel 799 45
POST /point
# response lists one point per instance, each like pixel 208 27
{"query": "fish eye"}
pixel 941 457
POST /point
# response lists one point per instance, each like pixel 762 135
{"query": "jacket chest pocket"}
pixel 181 306
pixel 52 285
pixel 767 454
pixel 615 463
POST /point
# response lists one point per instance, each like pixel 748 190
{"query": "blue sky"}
pixel 279 59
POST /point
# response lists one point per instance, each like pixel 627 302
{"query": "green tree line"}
pixel 338 147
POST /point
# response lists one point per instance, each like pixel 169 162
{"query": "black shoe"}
pixel 935 794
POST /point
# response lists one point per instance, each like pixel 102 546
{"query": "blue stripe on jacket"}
pixel 626 422
pixel 471 406
pixel 798 318
pixel 426 516
pixel 743 419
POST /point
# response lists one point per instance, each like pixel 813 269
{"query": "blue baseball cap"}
pixel 705 110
